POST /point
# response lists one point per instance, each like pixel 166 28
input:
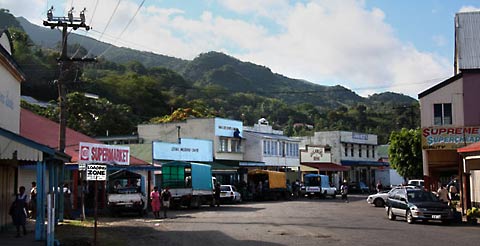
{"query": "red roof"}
pixel 45 131
pixel 330 167
pixel 474 147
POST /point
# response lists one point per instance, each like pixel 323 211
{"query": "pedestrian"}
pixel 217 194
pixel 67 202
pixel 166 197
pixel 344 191
pixel 442 193
pixel 18 211
pixel 33 201
pixel 379 186
pixel 155 197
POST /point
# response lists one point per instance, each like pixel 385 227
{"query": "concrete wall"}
pixel 471 92
pixel 9 101
pixel 451 93
pixel 254 148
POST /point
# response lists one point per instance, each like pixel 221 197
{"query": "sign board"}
pixel 315 154
pixel 82 166
pixel 449 137
pixel 186 150
pixel 101 153
pixel 225 127
pixel 96 172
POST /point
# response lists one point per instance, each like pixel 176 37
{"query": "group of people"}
pixel 160 200
pixel 449 192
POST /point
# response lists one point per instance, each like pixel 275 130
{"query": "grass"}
pixel 79 233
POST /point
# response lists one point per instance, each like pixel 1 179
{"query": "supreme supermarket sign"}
pixel 101 153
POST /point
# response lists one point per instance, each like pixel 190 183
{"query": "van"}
pixel 416 182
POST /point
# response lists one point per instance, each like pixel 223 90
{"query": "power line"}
pixel 124 29
pixel 84 36
pixel 105 29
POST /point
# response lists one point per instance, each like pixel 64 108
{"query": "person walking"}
pixel 379 186
pixel 344 191
pixel 18 211
pixel 33 201
pixel 166 197
pixel 442 194
pixel 155 197
pixel 67 202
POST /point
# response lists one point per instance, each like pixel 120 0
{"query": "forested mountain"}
pixel 139 87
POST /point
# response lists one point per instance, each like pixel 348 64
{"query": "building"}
pixel 227 149
pixel 358 151
pixel 270 149
pixel 16 150
pixel 450 118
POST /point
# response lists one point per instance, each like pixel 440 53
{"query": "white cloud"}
pixel 469 9
pixel 439 40
pixel 329 41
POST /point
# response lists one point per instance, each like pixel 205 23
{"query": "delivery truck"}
pixel 317 185
pixel 191 184
pixel 268 185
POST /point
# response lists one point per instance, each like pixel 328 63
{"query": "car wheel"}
pixel 391 216
pixel 409 216
pixel 334 196
pixel 379 202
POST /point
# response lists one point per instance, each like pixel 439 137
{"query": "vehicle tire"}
pixel 195 202
pixel 334 196
pixel 409 217
pixel 446 222
pixel 391 216
pixel 379 202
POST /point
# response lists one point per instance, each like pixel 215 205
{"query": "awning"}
pixel 328 167
pixel 304 168
pixel 364 163
pixel 474 147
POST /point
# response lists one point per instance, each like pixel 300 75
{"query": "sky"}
pixel 368 46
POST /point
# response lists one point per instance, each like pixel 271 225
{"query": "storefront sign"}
pixel 101 153
pixel 315 154
pixel 449 137
pixel 225 127
pixel 186 150
pixel 96 172
pixel 359 136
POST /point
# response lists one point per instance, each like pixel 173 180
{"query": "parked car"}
pixel 228 193
pixel 359 187
pixel 417 182
pixel 417 204
pixel 380 199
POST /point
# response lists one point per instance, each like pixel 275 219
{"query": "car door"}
pixel 391 200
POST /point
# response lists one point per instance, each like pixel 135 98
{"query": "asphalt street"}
pixel 299 222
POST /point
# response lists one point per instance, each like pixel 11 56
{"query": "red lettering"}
pixel 458 130
pixel 475 130
pixel 441 131
pixel 450 131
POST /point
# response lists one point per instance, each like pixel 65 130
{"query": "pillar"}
pixel 40 219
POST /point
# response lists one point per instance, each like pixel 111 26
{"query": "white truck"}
pixel 124 193
pixel 317 185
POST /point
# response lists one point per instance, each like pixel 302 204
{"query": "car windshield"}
pixel 225 188
pixel 421 196
pixel 128 190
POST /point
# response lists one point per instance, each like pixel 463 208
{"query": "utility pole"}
pixel 65 62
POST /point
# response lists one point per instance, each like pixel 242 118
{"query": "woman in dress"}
pixel 155 196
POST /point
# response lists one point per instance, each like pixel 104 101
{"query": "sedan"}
pixel 380 199
pixel 417 204
pixel 228 193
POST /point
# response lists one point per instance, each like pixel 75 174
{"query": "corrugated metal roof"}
pixel 467 40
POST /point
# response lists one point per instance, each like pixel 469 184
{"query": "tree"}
pixel 405 152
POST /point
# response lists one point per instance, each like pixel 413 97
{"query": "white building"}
pixel 227 150
pixel 270 149
pixel 355 150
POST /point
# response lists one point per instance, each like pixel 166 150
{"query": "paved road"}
pixel 301 222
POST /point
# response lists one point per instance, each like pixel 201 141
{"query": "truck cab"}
pixel 124 193
pixel 318 185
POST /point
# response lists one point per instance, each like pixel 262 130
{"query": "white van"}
pixel 417 182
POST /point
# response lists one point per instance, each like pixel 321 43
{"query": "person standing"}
pixel 217 194
pixel 18 211
pixel 442 193
pixel 379 186
pixel 67 203
pixel 344 191
pixel 155 196
pixel 33 201
pixel 166 197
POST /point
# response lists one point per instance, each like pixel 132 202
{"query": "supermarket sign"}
pixel 449 137
pixel 103 154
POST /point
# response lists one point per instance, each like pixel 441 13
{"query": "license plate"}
pixel 223 195
pixel 436 216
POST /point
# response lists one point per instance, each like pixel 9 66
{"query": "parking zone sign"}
pixel 96 172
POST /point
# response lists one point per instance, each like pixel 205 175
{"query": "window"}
pixel 368 151
pixel 351 150
pixel 442 114
pixel 282 149
pixel 346 149
pixel 223 144
pixel 359 150
pixel 235 145
pixel 373 151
